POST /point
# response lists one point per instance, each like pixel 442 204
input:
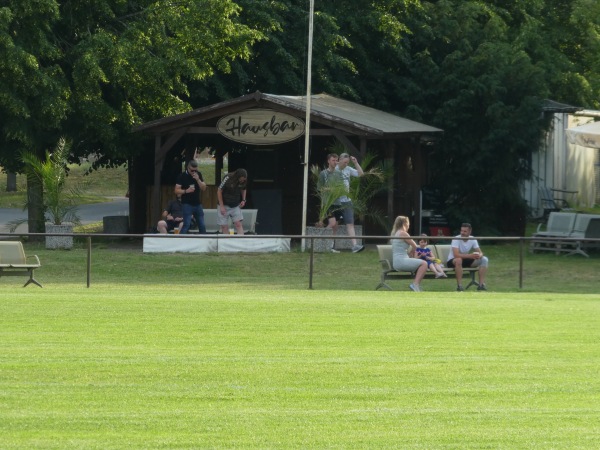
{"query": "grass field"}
pixel 233 351
pixel 122 261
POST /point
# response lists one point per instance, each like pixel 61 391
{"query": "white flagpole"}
pixel 307 120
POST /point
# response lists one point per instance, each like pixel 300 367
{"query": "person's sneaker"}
pixel 413 288
pixel 439 275
pixel 333 250
pixel 459 288
pixel 482 287
pixel 358 248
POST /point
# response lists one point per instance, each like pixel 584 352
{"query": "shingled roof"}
pixel 325 109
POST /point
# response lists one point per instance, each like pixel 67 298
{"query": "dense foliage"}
pixel 477 69
pixel 91 70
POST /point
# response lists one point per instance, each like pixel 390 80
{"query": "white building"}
pixel 563 166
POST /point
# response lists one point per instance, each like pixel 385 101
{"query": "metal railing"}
pixel 311 238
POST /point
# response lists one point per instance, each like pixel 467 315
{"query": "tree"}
pixel 91 70
pixel 477 69
pixel 278 62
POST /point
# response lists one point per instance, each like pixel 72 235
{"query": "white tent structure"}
pixel 587 135
pixel 584 143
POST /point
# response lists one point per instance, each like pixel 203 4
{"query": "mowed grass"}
pixel 233 351
pixel 122 261
pixel 214 366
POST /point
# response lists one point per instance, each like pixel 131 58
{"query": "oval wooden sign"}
pixel 260 127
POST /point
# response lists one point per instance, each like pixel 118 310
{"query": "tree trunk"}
pixel 35 211
pixel 11 182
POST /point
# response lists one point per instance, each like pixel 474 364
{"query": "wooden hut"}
pixel 264 133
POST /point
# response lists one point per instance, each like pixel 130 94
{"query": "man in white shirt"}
pixel 465 252
pixel 344 202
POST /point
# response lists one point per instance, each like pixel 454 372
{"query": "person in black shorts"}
pixel 172 217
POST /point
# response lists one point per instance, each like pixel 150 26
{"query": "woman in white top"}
pixel 403 251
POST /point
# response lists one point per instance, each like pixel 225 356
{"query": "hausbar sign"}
pixel 260 127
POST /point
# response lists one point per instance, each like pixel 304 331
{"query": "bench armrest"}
pixel 37 260
pixel 386 265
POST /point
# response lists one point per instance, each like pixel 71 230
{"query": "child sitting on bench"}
pixel 425 253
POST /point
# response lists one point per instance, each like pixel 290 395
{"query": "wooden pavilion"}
pixel 264 133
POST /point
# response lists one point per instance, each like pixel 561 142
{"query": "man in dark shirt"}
pixel 231 196
pixel 189 184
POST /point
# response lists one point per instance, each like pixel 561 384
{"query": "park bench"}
pixel 550 203
pixel 560 224
pixel 566 233
pixel 592 231
pixel 13 261
pixel 440 251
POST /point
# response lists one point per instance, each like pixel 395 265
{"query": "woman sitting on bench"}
pixel 403 251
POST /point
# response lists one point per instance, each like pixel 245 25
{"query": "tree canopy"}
pixel 91 70
pixel 479 69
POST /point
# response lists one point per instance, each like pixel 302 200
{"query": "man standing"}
pixel 327 182
pixel 189 185
pixel 465 252
pixel 231 196
pixel 344 203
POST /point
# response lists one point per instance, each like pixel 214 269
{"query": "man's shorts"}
pixel 235 213
pixel 344 212
pixel 172 224
pixel 466 263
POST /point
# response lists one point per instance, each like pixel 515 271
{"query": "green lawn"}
pixel 102 183
pixel 226 351
pixel 122 261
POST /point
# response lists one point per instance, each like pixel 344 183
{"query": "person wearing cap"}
pixel 189 185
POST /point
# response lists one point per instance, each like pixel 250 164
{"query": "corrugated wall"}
pixel 560 165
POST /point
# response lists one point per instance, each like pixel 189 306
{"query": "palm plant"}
pixel 326 193
pixel 59 202
pixel 363 189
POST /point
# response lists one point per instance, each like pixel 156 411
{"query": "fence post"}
pixel 312 258
pixel 521 250
pixel 89 260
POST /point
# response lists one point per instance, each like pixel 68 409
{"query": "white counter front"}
pixel 225 244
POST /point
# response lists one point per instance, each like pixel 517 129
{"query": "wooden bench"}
pixel 440 251
pixel 13 261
